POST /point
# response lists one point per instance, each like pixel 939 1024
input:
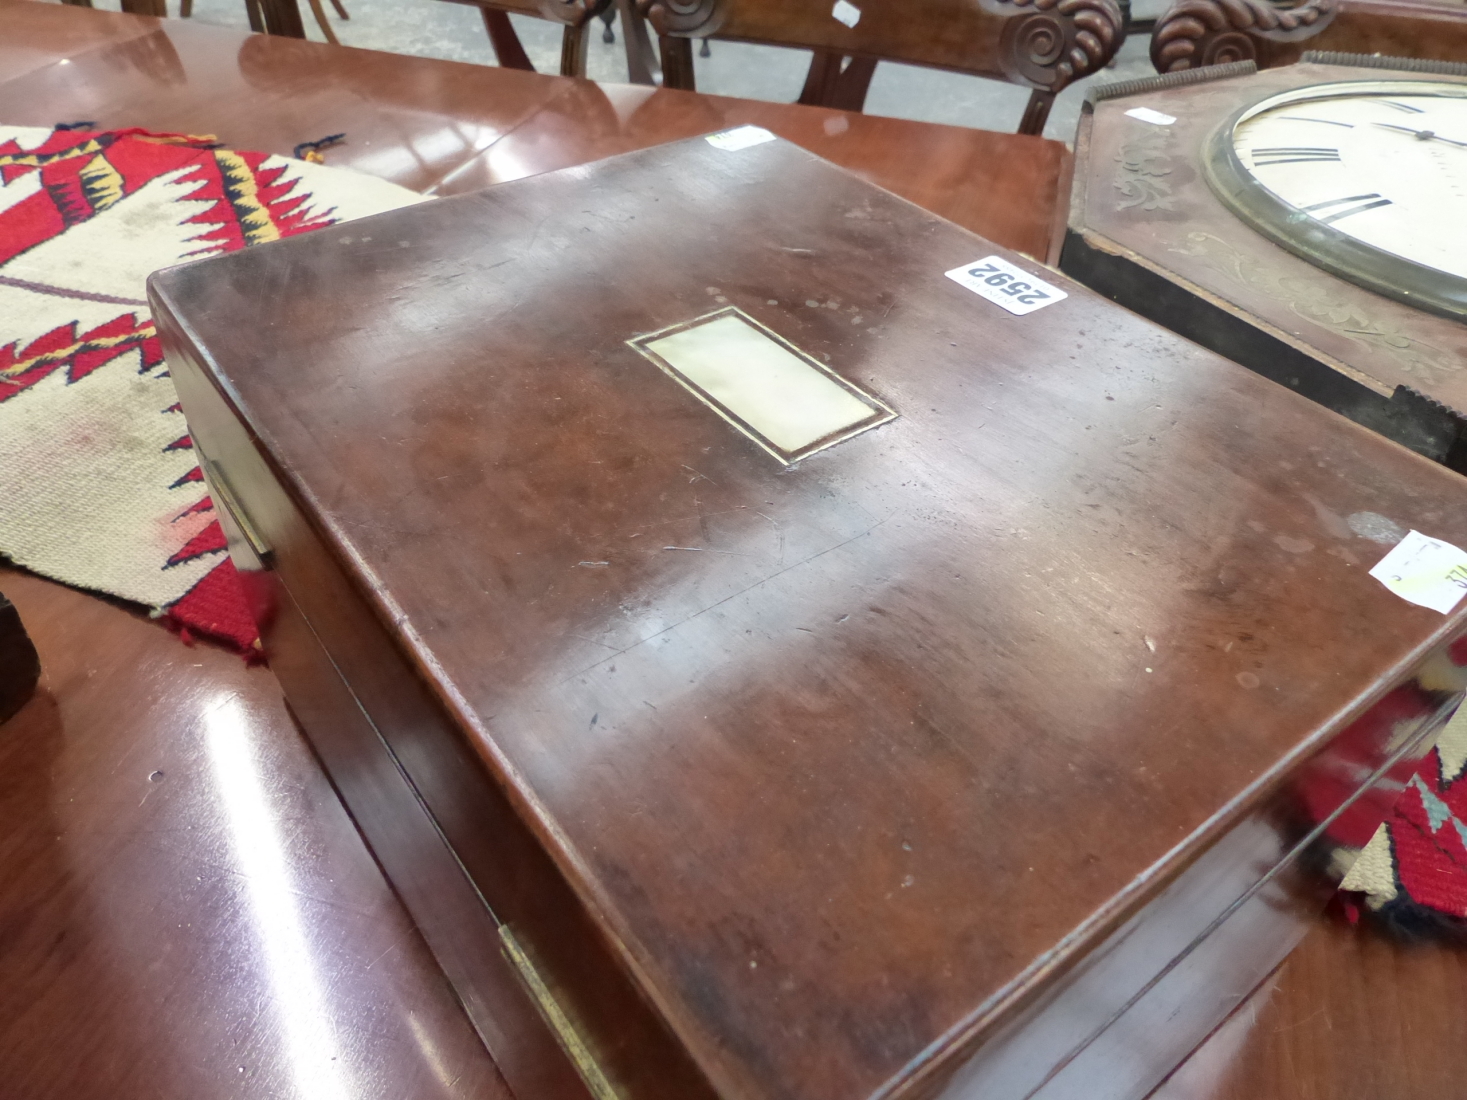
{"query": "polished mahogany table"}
pixel 442 127
pixel 186 910
pixel 144 949
pixel 143 955
pixel 1349 1016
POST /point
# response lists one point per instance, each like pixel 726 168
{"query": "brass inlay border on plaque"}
pixel 565 1032
pixel 785 400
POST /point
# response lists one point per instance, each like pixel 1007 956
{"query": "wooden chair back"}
pixel 1043 45
pixel 575 17
pixel 1193 33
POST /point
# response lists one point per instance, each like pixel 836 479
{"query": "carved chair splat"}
pixel 1194 33
pixel 1043 45
pixel 576 18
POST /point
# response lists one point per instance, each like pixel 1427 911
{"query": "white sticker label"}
pixel 1425 571
pixel 740 137
pixel 1011 287
pixel 846 12
pixel 1146 114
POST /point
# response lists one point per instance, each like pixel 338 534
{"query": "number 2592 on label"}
pixel 1004 284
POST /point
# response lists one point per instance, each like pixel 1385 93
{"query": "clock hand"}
pixel 1421 135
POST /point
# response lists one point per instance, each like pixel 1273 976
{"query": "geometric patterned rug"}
pixel 1412 873
pixel 99 485
pixel 1408 875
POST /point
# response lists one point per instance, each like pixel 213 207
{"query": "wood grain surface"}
pixel 185 908
pixel 1350 1016
pixel 848 761
pixel 123 980
pixel 39 35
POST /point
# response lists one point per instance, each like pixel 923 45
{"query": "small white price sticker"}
pixel 1426 571
pixel 846 12
pixel 1146 114
pixel 740 137
pixel 1011 287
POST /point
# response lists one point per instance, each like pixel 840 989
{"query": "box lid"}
pixel 844 752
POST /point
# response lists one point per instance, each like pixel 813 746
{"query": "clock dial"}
pixel 1388 168
pixel 1366 179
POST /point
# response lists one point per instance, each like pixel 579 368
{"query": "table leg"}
pixel 20 668
pixel 574 40
pixel 282 17
pixel 677 63
pixel 642 64
pixel 505 42
pixel 320 13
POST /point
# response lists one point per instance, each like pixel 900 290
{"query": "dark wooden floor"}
pixel 187 913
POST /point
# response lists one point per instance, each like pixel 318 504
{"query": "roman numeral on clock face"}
pixel 1383 164
pixel 1293 154
pixel 1335 209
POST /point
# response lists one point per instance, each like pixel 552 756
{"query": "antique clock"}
pixel 1309 222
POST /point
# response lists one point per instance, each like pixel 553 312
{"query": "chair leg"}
pixel 252 13
pixel 320 13
pixel 824 68
pixel 642 64
pixel 341 12
pixel 608 16
pixel 837 81
pixel 508 49
pixel 677 63
pixel 185 9
pixel 1036 114
pixel 282 17
pixel 78 3
pixel 574 41
pixel 145 7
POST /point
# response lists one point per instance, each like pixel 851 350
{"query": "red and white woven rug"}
pixel 1412 872
pixel 99 486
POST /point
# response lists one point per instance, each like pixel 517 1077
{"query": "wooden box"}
pixel 984 753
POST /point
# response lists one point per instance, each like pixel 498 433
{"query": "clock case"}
pixel 1147 230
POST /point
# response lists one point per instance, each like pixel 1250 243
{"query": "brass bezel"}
pixel 1386 273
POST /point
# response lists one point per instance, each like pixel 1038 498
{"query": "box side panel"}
pixel 444 831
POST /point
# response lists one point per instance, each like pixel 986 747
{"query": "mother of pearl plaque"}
pixel 776 394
